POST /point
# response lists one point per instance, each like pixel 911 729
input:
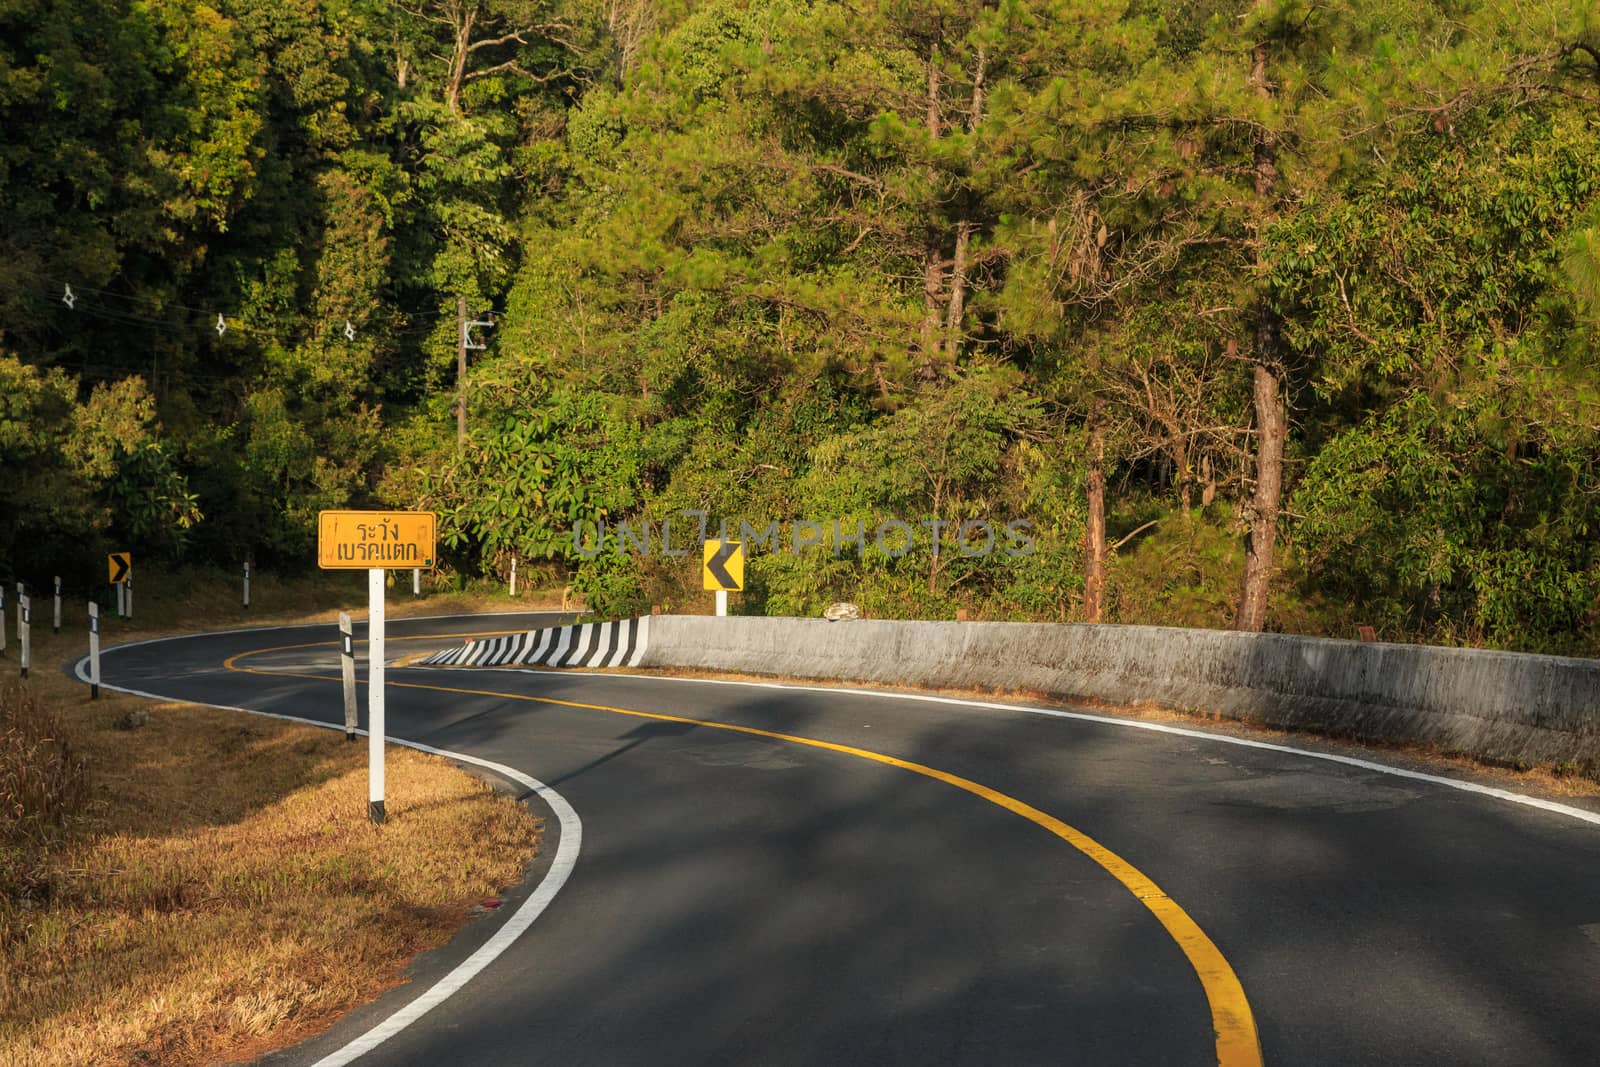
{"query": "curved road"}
pixel 741 899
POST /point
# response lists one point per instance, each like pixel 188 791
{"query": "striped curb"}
pixel 593 644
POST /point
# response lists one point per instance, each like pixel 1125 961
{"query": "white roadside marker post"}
pixel 128 585
pixel 247 585
pixel 24 620
pixel 347 665
pixel 513 577
pixel 56 621
pixel 722 603
pixel 122 601
pixel 375 584
pixel 94 651
pixel 416 582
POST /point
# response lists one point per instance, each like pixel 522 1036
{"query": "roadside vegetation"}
pixel 1262 314
pixel 204 885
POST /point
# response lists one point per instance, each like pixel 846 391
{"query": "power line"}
pixel 59 287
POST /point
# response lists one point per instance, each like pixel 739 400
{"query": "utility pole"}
pixel 465 345
pixel 461 373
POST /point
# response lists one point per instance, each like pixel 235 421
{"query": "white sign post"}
pixel 56 621
pixel 347 664
pixel 128 586
pixel 24 620
pixel 2 618
pixel 375 584
pixel 122 610
pixel 416 582
pixel 94 651
pixel 513 576
pixel 376 542
pixel 247 585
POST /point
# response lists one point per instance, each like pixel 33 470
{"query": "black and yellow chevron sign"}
pixel 120 565
pixel 724 566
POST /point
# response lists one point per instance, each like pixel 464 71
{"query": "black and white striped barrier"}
pixel 592 644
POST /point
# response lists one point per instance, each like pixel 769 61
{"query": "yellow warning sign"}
pixel 724 565
pixel 121 566
pixel 368 540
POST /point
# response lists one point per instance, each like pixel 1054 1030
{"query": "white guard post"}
pixel 94 651
pixel 24 625
pixel 55 623
pixel 347 664
pixel 513 576
pixel 247 585
pixel 375 584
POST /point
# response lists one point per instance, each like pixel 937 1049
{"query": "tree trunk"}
pixel 958 267
pixel 1272 417
pixel 1272 429
pixel 932 292
pixel 629 22
pixel 1094 567
pixel 932 258
pixel 458 61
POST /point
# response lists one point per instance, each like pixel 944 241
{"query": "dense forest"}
pixel 1257 313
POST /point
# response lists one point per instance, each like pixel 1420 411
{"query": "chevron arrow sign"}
pixel 724 566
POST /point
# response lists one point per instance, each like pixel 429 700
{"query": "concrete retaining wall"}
pixel 1496 705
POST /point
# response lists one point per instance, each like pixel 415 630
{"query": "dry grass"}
pixel 217 888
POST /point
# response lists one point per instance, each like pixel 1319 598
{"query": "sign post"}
pixel 513 576
pixel 375 541
pixel 24 621
pixel 2 618
pixel 347 667
pixel 94 651
pixel 723 570
pixel 247 585
pixel 375 725
pixel 119 566
pixel 416 582
pixel 56 621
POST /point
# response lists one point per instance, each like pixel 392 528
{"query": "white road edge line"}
pixel 555 878
pixel 1580 814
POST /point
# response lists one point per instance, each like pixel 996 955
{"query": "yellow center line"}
pixel 1238 1044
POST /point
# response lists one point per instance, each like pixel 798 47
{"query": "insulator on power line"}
pixel 349 331
pixel 69 298
pixel 222 324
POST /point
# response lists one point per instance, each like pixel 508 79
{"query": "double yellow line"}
pixel 1238 1044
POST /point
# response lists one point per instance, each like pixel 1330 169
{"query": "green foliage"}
pixel 525 482
pixel 90 470
pixel 1455 492
pixel 778 260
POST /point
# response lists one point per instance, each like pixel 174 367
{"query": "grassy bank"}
pixel 205 885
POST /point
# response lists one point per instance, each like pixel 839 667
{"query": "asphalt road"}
pixel 741 899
